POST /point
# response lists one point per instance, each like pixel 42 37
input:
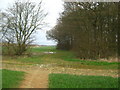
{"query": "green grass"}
pixel 63 58
pixel 0 78
pixel 32 59
pixel 68 59
pixel 75 81
pixel 11 79
pixel 70 56
pixel 88 62
pixel 43 49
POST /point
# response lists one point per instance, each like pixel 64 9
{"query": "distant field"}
pixel 11 79
pixel 75 81
pixel 43 49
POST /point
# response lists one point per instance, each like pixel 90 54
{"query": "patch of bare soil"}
pixel 35 79
pixel 112 73
pixel 110 60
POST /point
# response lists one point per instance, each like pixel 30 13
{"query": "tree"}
pixel 88 29
pixel 21 21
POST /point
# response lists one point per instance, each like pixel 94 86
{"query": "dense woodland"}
pixel 89 29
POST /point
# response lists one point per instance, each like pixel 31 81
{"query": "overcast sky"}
pixel 53 7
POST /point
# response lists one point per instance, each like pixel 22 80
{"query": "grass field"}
pixel 62 58
pixel 75 81
pixel 11 79
pixel 44 49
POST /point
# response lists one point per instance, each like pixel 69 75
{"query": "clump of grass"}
pixel 75 81
pixel 11 79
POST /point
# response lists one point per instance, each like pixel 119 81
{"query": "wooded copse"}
pixel 89 29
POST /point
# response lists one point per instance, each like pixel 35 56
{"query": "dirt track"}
pixel 37 76
pixel 35 79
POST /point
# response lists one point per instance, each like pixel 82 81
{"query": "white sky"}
pixel 53 7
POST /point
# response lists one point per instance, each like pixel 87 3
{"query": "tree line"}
pixel 89 29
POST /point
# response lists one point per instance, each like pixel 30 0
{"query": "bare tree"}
pixel 21 21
